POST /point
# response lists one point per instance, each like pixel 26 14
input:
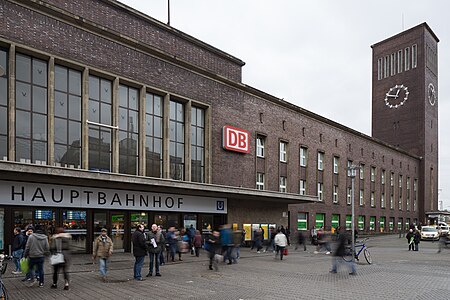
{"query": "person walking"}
pixel 343 240
pixel 258 240
pixel 410 239
pixel 26 234
pixel 162 261
pixel 139 251
pixel 155 242
pixel 17 249
pixel 280 243
pixel 36 249
pixel 212 245
pixel 172 240
pixel 313 234
pixel 61 244
pixel 271 243
pixel 416 240
pixel 103 250
pixel 197 242
pixel 301 240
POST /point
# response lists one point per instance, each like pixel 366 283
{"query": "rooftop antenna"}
pixel 168 12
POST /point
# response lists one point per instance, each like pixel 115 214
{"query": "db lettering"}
pixel 236 139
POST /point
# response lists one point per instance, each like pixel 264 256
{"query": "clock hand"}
pixel 396 95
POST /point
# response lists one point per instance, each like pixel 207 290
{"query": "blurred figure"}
pixel 226 240
pixel 103 249
pixel 238 239
pixel 313 235
pixel 258 240
pixel 61 244
pixel 281 243
pixel 197 242
pixel 155 241
pixel 191 233
pixel 343 240
pixel 323 241
pixel 36 249
pixel 162 261
pixel 139 251
pixel 26 235
pixel 212 245
pixel 17 249
pixel 410 239
pixel 271 243
pixel 301 240
pixel 172 241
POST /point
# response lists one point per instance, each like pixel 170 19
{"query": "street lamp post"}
pixel 352 174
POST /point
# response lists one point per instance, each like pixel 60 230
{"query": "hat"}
pixel 104 229
pixel 30 228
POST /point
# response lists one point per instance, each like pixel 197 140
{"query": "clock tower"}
pixel 405 103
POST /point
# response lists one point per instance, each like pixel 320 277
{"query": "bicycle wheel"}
pixel 4 295
pixel 367 256
pixel 348 255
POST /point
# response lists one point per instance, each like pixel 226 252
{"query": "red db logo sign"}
pixel 235 139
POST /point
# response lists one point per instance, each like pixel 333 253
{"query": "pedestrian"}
pixel 343 240
pixel 271 243
pixel 61 244
pixel 416 240
pixel 37 248
pixel 313 233
pixel 191 233
pixel 172 241
pixel 212 245
pixel 258 240
pixel 301 240
pixel 226 239
pixel 281 243
pixel 238 239
pixel 103 250
pixel 410 239
pixel 26 234
pixel 162 260
pixel 17 249
pixel 139 251
pixel 155 242
pixel 197 242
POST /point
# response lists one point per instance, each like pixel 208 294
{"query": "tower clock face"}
pixel 431 94
pixel 396 96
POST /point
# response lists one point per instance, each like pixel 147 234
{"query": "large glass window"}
pixel 153 135
pixel 260 140
pixel 128 130
pixel 302 221
pixel 31 110
pixel 320 220
pixel 198 144
pixel 176 140
pixel 67 117
pixel 99 118
pixel 3 104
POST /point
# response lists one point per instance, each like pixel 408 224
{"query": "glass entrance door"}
pixel 74 222
pixel 117 231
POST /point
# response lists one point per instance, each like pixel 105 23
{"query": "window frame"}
pixel 283 151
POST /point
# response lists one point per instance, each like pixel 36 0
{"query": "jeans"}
pixel 161 256
pixel 271 244
pixel 154 258
pixel 338 260
pixel 173 250
pixel 138 266
pixel 17 256
pixel 103 265
pixel 39 263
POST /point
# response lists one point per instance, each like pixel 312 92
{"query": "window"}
pixel 302 221
pixel 399 61
pixel 391 202
pixel 414 56
pixel 392 64
pixel 335 193
pixel 383 204
pixel 383 176
pixel 260 181
pixel 283 152
pixel 382 223
pixel 386 66
pixel 153 135
pixel 128 130
pixel 380 68
pixel 67 117
pixel 31 110
pixel 361 171
pixel 349 165
pixel 416 195
pixel 372 199
pixel 408 193
pixel 349 195
pixel 320 191
pixel 320 220
pixel 407 59
pixel 361 197
pixel 348 222
pixel 302 187
pixel 373 174
pixel 320 161
pixel 335 221
pixel 283 184
pixel 100 124
pixel 303 156
pixel 400 181
pixel 392 178
pixel 372 223
pixel 260 146
pixel 4 73
pixel 197 144
pixel 336 165
pixel 176 140
pixel 361 223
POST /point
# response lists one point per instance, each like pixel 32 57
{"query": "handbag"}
pixel 58 257
pixel 24 265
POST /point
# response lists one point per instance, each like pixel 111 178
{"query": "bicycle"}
pixel 3 265
pixel 362 248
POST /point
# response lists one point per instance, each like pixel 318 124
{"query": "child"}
pixel 410 239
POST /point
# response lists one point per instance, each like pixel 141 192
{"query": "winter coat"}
pixel 281 240
pixel 18 242
pixel 37 246
pixel 410 237
pixel 198 241
pixel 416 237
pixel 139 246
pixel 61 243
pixel 159 239
pixel 103 249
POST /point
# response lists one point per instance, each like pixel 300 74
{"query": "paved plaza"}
pixel 395 273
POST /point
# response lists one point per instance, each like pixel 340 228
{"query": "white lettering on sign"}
pixel 236 139
pixel 33 194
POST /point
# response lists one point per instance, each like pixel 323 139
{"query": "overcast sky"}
pixel 315 54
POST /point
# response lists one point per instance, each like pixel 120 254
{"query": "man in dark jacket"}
pixel 213 246
pixel 36 249
pixel 155 242
pixel 17 249
pixel 139 251
pixel 340 252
